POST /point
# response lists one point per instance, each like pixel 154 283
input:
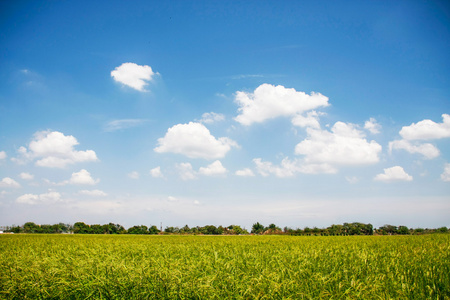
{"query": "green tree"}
pixel 236 229
pixel 185 229
pixel 211 229
pixel 80 227
pixel 172 229
pixel 15 229
pixel 388 229
pixel 30 227
pixel 153 230
pixel 257 228
pixel 96 229
pixel 419 231
pixel 335 230
pixel 403 230
pixel 142 229
pixel 442 230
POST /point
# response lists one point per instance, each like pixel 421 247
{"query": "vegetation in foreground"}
pixel 224 267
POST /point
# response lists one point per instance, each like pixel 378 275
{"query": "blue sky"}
pixel 298 113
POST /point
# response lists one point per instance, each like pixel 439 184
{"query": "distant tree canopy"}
pixel 355 228
pixel 257 228
pixel 31 227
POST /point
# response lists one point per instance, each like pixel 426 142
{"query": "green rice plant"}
pixel 224 267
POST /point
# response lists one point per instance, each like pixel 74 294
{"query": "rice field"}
pixel 224 267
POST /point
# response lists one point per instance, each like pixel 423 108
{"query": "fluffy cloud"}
pixel 54 150
pixel 133 75
pixel 26 176
pixel 394 174
pixel 123 124
pixel 194 141
pixel 446 175
pixel 93 193
pixel 310 120
pixel 186 172
pixel 427 150
pixel 47 198
pixel 133 175
pixel 9 183
pixel 423 130
pixel 289 168
pixel 82 178
pixel 212 117
pixel 427 130
pixel 245 173
pixel 344 145
pixel 372 126
pixel 269 101
pixel 216 168
pixel 2 155
pixel 156 172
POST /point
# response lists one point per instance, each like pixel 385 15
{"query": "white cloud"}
pixel 212 117
pixel 194 141
pixel 322 168
pixel 311 120
pixel 156 172
pixel 3 155
pixel 445 176
pixel 47 198
pixel 269 101
pixel 372 126
pixel 427 150
pixel 82 177
pixel 9 183
pixel 427 130
pixel 214 169
pixel 344 145
pixel 289 168
pixel 53 150
pixel 26 176
pixel 133 175
pixel 93 193
pixel 186 172
pixel 394 174
pixel 123 124
pixel 351 180
pixel 423 130
pixel 133 75
pixel 172 199
pixel 245 173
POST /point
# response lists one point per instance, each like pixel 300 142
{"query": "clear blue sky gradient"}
pixel 373 59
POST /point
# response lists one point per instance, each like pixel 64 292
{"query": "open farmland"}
pixel 224 267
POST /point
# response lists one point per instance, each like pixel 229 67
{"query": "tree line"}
pixel 355 228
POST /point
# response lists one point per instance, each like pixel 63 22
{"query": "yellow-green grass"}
pixel 224 267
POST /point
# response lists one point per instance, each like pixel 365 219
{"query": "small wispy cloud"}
pixel 93 193
pixel 244 76
pixel 211 117
pixel 133 175
pixel 123 124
